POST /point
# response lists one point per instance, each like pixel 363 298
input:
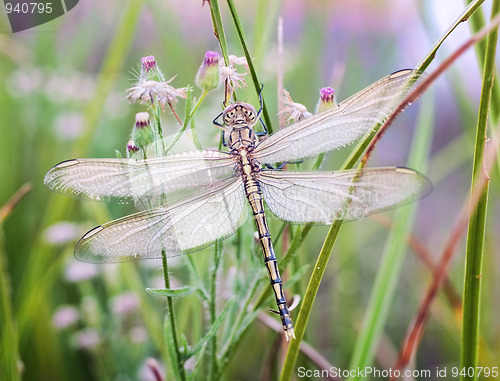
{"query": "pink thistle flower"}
pixel 131 147
pixel 326 100
pixel 78 271
pixel 87 339
pixel 65 317
pixel 148 63
pixel 125 303
pixel 62 232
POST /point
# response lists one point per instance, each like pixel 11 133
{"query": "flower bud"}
pixel 131 148
pixel 150 70
pixel 208 74
pixel 148 63
pixel 326 100
pixel 142 134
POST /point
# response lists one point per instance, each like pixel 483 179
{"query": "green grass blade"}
pixel 212 331
pixel 476 23
pixel 468 12
pixel 309 297
pixel 174 293
pixel 477 222
pixel 9 352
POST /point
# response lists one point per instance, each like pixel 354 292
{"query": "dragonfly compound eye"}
pixel 228 116
pixel 250 115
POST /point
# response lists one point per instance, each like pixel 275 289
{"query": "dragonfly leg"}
pixel 259 114
pixel 282 165
pixel 216 122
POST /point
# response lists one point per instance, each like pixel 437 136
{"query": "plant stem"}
pixel 253 74
pixel 185 124
pixel 171 318
pixel 213 310
pixel 471 9
pixel 475 235
pixel 219 29
pixel 309 297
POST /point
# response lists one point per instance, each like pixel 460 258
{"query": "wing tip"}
pixel 50 175
pixel 425 183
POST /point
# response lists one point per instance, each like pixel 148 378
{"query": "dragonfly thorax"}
pixel 242 137
pixel 239 114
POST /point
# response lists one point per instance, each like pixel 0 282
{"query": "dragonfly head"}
pixel 239 114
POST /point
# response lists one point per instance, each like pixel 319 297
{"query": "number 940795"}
pixel 475 371
pixel 28 8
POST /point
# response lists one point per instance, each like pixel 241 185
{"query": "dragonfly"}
pixel 210 190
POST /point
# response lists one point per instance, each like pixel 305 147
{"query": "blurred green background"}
pixel 62 94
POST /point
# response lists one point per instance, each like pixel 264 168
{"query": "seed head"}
pixel 232 78
pixel 169 94
pixel 293 110
pixel 233 60
pixel 145 91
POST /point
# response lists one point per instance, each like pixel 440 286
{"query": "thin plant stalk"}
pixel 214 368
pixel 187 119
pixel 173 324
pixel 477 222
pixel 219 29
pixel 253 73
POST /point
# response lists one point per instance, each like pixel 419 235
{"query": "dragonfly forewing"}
pixel 131 179
pixel 193 223
pixel 323 197
pixel 335 128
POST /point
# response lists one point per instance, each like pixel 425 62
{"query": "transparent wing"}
pixel 131 179
pixel 335 128
pixel 349 195
pixel 188 225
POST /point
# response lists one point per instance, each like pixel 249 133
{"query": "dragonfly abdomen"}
pixel 255 198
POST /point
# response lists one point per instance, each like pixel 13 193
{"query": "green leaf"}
pixel 477 221
pixel 174 293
